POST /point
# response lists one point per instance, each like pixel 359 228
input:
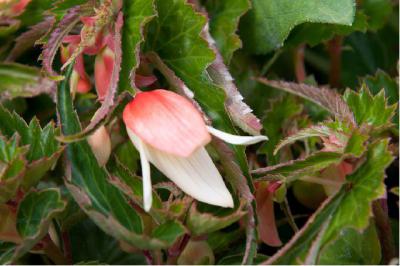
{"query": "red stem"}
pixel 299 67
pixel 335 54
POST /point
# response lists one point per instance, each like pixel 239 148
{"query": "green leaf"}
pixel 137 13
pixel 368 109
pixel 312 163
pixel 12 168
pixel 378 12
pixel 42 142
pixel 269 23
pixel 17 80
pixel 276 120
pixel 201 223
pixel 224 20
pixel 313 34
pixel 89 186
pixel 35 213
pixel 349 208
pixel 353 247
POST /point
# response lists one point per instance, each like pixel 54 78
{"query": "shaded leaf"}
pixel 137 13
pixel 326 98
pixel 200 223
pixel 224 20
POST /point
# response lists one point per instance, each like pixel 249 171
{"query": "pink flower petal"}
pixel 167 122
pixel 103 69
pixel 266 216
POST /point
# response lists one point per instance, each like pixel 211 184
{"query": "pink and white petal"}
pixel 167 122
pixel 234 139
pixel 196 175
pixel 103 68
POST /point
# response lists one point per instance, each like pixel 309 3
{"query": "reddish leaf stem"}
pixel 335 54
pixel 299 67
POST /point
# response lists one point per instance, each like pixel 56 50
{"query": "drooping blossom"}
pixel 170 132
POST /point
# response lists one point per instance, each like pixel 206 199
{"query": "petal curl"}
pixel 234 139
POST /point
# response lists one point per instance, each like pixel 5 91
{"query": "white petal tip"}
pixel 236 140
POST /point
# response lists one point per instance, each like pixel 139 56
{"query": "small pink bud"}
pixel 144 81
pixel 100 143
pixel 19 7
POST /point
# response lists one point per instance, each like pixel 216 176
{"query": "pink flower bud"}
pixel 100 143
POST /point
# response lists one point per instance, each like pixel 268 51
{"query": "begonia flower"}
pixel 170 132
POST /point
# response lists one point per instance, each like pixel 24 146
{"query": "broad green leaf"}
pixel 269 23
pixel 281 113
pixel 17 80
pixel 350 208
pixel 224 20
pixel 313 33
pixel 368 109
pixel 35 213
pixel 353 247
pixel 137 13
pixel 99 199
pixel 201 223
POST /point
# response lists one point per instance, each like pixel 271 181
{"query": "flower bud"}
pixel 100 143
pixel 103 69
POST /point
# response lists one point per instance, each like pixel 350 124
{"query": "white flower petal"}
pixel 196 175
pixel 234 139
pixel 147 193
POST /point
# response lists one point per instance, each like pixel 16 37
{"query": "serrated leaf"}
pixel 326 98
pixel 99 199
pixel 269 23
pixel 12 168
pixel 17 80
pixel 370 110
pixel 349 208
pixel 312 163
pixel 201 223
pixel 34 215
pixel 137 13
pixel 224 20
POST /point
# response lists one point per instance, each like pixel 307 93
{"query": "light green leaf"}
pixel 269 23
pixel 224 20
pixel 368 109
pixel 349 208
